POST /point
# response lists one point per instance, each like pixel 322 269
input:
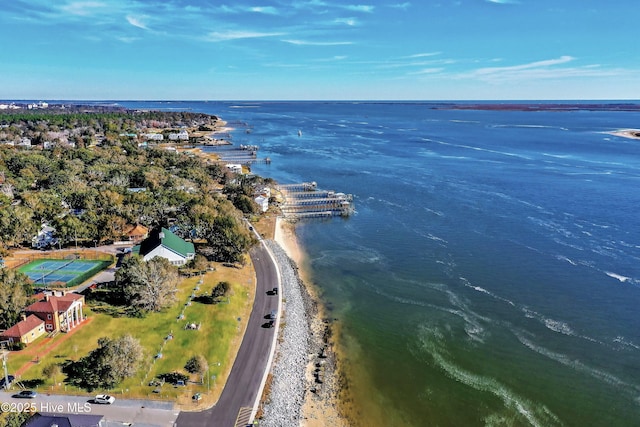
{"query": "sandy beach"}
pixel 627 133
pixel 321 404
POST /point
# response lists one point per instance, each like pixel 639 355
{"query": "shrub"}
pixel 173 377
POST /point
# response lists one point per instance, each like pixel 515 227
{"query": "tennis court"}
pixel 62 272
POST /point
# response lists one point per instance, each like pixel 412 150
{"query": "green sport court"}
pixel 62 272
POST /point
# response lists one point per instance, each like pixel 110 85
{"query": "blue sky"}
pixel 319 49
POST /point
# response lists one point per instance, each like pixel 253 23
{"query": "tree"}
pixel 52 371
pixel 227 240
pixel 199 263
pixel 150 285
pixel 220 290
pixel 109 364
pixel 123 355
pixel 197 365
pixel 14 292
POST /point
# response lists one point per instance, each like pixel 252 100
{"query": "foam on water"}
pixel 577 365
pixel 622 340
pixel 471 147
pixel 564 258
pixel 468 284
pixel 551 324
pixel 619 277
pixel 432 341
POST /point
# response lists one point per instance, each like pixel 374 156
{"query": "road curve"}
pixel 241 389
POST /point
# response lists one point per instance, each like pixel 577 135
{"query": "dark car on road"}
pixel 25 394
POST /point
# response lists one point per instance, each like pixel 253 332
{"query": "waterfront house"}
pixel 234 167
pixel 25 331
pixel 165 244
pixel 153 136
pixel 60 312
pixel 183 135
pixel 263 203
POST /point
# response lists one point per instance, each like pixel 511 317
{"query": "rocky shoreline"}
pixel 303 383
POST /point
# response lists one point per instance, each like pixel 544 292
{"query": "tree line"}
pixel 92 195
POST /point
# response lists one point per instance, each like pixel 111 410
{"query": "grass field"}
pixel 219 337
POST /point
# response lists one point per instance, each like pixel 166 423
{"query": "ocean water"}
pixel 491 274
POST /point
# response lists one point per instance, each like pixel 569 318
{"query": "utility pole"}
pixel 4 366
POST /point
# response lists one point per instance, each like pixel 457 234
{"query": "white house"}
pixel 165 244
pixel 234 167
pixel 183 135
pixel 153 136
pixel 44 238
pixel 263 202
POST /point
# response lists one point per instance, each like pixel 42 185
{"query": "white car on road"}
pixel 104 398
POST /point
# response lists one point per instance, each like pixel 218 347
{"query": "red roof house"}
pixel 26 330
pixel 59 312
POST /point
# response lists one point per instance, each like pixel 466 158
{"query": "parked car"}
pixel 275 291
pixel 196 396
pixel 2 380
pixel 25 394
pixel 104 399
pixel 272 315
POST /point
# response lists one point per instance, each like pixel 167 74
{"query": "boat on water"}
pixel 299 132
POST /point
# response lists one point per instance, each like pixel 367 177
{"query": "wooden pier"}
pixel 304 200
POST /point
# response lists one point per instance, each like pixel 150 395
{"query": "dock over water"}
pixel 305 200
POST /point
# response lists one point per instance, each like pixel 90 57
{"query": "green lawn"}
pixel 217 339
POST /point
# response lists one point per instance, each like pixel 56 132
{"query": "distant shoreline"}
pixel 541 106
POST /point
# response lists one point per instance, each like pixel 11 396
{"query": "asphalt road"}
pixel 247 372
pixel 138 412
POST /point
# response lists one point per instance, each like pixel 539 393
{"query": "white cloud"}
pixel 82 8
pixel 267 10
pixel 404 5
pixel 426 71
pixel 503 1
pixel 218 36
pixel 360 8
pixel 538 64
pixel 423 55
pixel 352 22
pixel 137 22
pixel 550 69
pixel 127 39
pixel 312 43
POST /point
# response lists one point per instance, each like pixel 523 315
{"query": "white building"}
pixel 153 136
pixel 263 202
pixel 183 135
pixel 167 245
pixel 234 167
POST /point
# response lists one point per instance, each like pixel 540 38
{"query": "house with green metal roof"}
pixel 165 244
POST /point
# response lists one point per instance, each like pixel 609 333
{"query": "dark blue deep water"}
pixel 491 274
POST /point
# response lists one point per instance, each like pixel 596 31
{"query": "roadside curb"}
pixel 275 336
